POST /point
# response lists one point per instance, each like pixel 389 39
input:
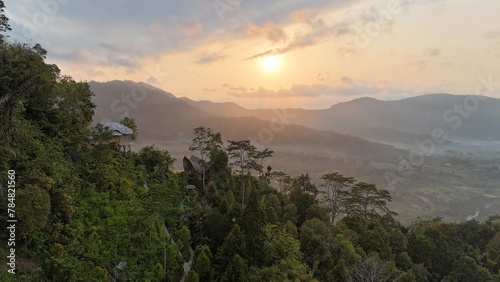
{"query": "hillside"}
pixel 398 123
pixel 164 119
pixel 456 184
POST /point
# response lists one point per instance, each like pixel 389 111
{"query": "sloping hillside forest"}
pixel 87 211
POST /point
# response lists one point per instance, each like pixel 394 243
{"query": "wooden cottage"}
pixel 194 168
pixel 122 135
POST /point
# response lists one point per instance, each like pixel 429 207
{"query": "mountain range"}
pixel 365 138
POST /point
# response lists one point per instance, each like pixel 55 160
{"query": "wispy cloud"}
pixel 492 34
pixel 347 87
pixel 210 58
pixel 432 52
pixel 301 91
pixel 269 31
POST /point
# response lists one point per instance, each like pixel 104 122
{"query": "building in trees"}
pixel 194 168
pixel 122 134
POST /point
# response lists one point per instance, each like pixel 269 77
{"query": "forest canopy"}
pixel 89 212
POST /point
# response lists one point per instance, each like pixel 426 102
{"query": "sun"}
pixel 271 63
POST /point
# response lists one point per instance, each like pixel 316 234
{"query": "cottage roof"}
pixel 117 129
pixel 195 163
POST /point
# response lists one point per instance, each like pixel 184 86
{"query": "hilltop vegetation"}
pixel 88 212
pixel 457 184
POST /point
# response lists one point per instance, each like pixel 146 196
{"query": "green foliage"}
pixel 282 178
pixel 156 162
pixel 4 21
pixel 252 223
pixel 237 270
pixel 33 209
pixel 192 276
pixel 203 263
pixel 493 249
pixel 234 244
pixel 242 153
pixel 302 201
pixel 209 146
pixel 303 182
pixel 88 212
pixel 130 123
pixel 205 141
pixel 465 268
pixel 336 192
pixel 367 201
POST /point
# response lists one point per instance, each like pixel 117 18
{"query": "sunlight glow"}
pixel 271 63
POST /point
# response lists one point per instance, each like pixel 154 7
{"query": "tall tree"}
pixel 234 243
pixel 260 158
pixel 304 182
pixel 237 270
pixel 280 177
pixel 242 153
pixel 372 268
pixel 252 223
pixel 367 201
pixel 207 143
pixel 336 186
pixel 4 21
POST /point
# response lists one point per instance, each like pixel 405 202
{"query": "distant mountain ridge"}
pixel 389 122
pixel 161 117
pixel 400 120
pixel 367 139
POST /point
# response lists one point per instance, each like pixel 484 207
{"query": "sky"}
pixel 261 54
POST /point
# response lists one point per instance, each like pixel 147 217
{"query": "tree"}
pixel 237 270
pixel 367 201
pixel 313 243
pixel 234 243
pixel 252 223
pixel 335 192
pixel 207 143
pixel 304 182
pixel 4 21
pixel 374 269
pixel 242 153
pixel 302 201
pixel 260 157
pixel 203 264
pixel 34 209
pixel 130 123
pixel 466 268
pixel 101 134
pixel 156 162
pixel 280 177
pixel 192 276
pixel 493 249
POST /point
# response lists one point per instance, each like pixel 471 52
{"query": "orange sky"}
pixel 308 54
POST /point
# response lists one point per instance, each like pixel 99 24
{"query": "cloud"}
pixel 190 28
pixel 354 31
pixel 323 77
pixel 302 15
pixel 348 87
pixel 302 91
pixel 432 52
pixel 299 41
pixel 269 30
pixel 492 34
pixel 116 55
pixel 346 80
pixel 208 58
